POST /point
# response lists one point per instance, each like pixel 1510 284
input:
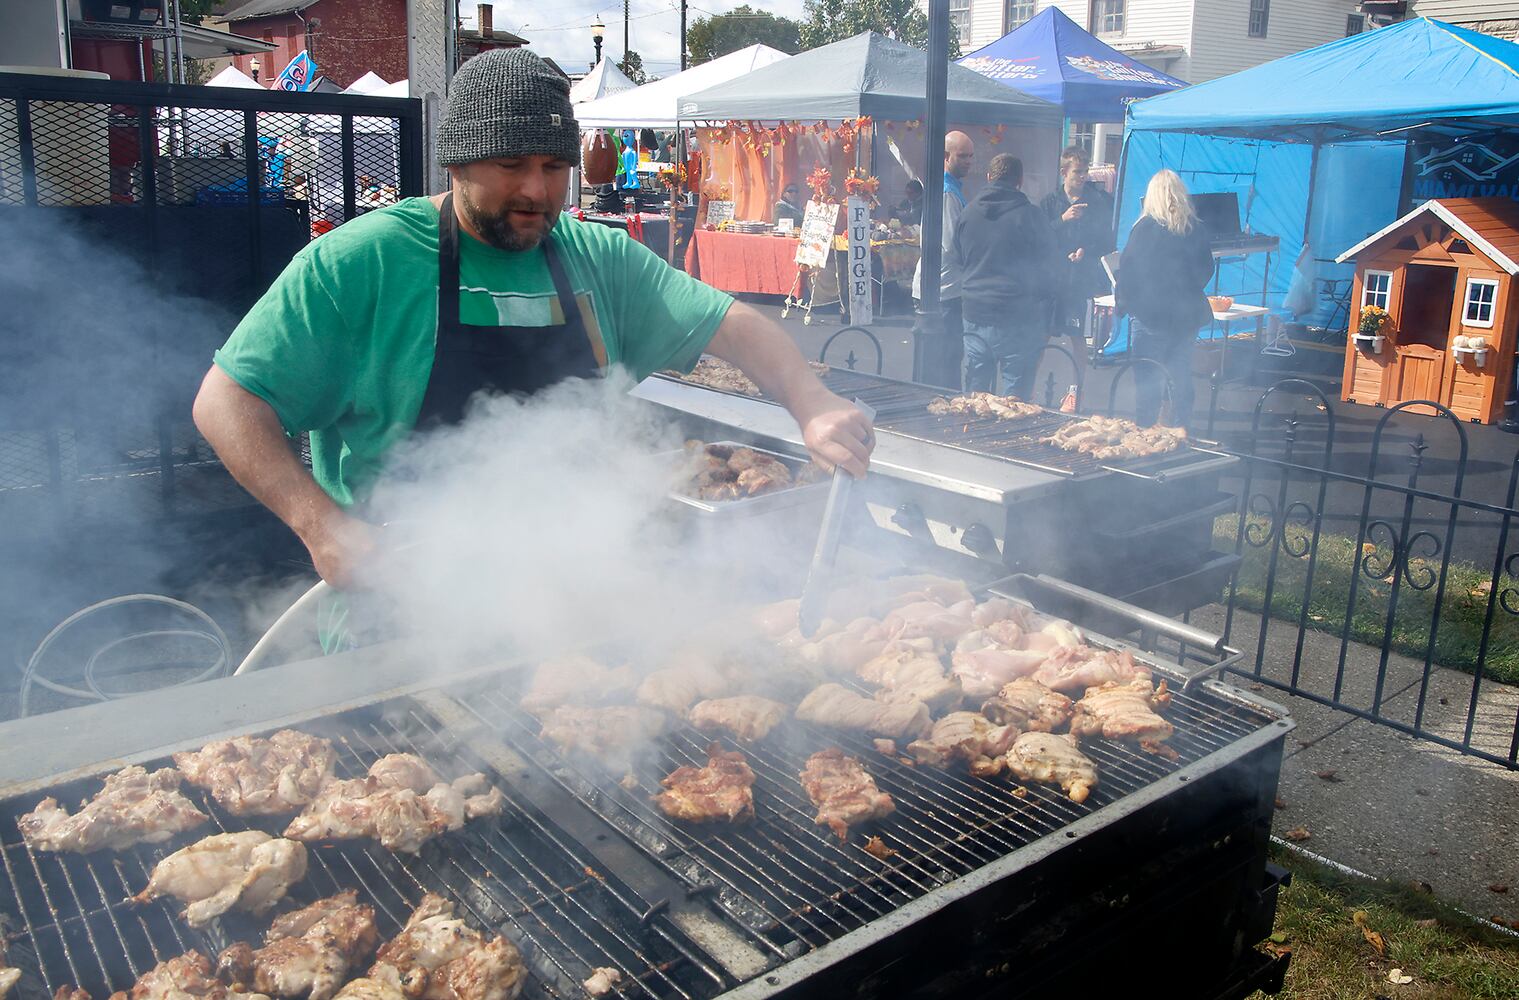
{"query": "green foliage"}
pixel 632 67
pixel 833 20
pixel 739 28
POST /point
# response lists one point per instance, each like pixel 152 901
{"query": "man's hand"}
pixel 1077 254
pixel 837 434
pixel 1074 212
pixel 340 546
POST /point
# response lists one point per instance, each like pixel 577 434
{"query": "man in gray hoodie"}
pixel 1006 254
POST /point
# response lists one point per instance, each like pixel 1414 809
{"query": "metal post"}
pixel 179 40
pixel 350 182
pixel 624 34
pixel 930 320
pixel 682 35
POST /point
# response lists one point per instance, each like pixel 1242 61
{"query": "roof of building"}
pixel 498 36
pixel 1488 225
pixel 236 11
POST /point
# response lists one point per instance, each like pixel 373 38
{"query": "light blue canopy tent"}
pixel 1315 144
pixel 1053 57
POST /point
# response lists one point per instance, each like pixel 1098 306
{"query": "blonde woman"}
pixel 1162 276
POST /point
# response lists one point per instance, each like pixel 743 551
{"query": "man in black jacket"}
pixel 1082 215
pixel 1007 258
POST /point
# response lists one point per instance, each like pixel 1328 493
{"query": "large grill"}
pixel 582 871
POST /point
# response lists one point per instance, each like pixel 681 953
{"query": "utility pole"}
pixel 683 35
pixel 625 34
pixel 928 331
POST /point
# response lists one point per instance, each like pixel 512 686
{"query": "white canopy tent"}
pixel 602 81
pixel 369 83
pixel 656 105
pixel 401 88
pixel 234 77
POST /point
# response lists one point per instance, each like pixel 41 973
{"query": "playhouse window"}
pixel 1376 290
pixel 1481 294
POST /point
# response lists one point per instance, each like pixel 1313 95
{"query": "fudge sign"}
pixel 859 262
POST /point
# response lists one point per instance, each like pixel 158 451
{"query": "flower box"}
pixel 1370 341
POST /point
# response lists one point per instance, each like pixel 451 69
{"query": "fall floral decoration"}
pixel 862 185
pixel 821 182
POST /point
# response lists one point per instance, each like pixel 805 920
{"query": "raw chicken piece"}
pixel 927 620
pixel 843 792
pixel 906 673
pixel 843 650
pixel 1055 759
pixel 133 807
pixel 370 989
pixel 677 688
pixel 187 977
pixel 1073 668
pixel 307 952
pixel 1030 706
pixel 614 732
pixel 747 716
pixel 245 871
pixel 257 776
pixel 723 790
pixel 775 620
pixel 836 705
pixel 602 981
pixel 967 736
pixel 1000 609
pixel 1117 711
pixel 387 805
pixel 437 956
pixel 75 993
pixel 983 666
pixel 575 680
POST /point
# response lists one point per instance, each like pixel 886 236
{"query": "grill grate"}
pixel 788 882
pixel 519 875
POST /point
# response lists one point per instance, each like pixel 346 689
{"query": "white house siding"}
pixel 1221 42
pixel 1494 17
pixel 1147 23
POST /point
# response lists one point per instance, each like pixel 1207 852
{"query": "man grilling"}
pixel 395 320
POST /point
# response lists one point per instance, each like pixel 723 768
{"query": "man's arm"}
pixel 251 443
pixel 835 432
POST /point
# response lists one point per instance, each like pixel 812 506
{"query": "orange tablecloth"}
pixel 746 262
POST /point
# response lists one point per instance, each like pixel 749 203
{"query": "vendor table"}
pixel 745 262
pixel 656 228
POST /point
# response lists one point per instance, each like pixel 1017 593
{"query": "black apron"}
pixel 518 360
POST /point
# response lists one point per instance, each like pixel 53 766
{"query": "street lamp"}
pixel 597 31
pixel 253 65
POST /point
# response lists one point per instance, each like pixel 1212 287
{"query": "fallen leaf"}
pixel 1329 775
pixel 1431 922
pixel 1367 548
pixel 1483 589
pixel 1280 937
pixel 1281 803
pixel 1512 925
pixel 1297 834
pixel 1421 887
pixel 1361 918
pixel 1498 887
pixel 1397 978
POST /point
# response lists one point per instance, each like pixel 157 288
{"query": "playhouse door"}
pixel 1420 376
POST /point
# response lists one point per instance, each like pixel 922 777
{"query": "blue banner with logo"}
pixel 299 75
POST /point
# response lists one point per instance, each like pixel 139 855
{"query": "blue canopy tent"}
pixel 1052 57
pixel 1318 145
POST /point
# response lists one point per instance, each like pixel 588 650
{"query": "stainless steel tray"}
pixel 791 497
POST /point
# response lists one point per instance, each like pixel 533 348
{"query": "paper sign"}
pixel 858 230
pixel 785 225
pixel 817 233
pixel 719 212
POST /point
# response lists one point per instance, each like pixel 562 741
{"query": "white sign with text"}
pixel 719 212
pixel 860 312
pixel 817 233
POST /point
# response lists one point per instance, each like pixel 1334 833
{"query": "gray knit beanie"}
pixel 507 102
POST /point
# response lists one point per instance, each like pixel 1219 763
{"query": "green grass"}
pixel 1462 609
pixel 1449 956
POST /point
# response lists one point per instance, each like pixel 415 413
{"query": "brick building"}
pixel 347 38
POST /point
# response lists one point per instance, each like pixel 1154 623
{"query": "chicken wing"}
pixel 906 673
pixel 1118 711
pixel 307 952
pixel 257 776
pixel 1030 706
pixel 246 871
pixel 1054 759
pixel 967 736
pixel 837 706
pixel 843 792
pixel 747 716
pixel 133 807
pixel 437 956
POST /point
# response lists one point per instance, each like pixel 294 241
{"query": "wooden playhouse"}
pixel 1444 273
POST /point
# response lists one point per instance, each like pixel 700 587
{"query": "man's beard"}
pixel 497 229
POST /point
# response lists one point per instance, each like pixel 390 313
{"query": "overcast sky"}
pixel 562 29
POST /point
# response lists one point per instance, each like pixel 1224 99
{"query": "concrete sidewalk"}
pixel 1381 802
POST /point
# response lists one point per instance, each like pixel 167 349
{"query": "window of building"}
pixel 1107 17
pixel 959 20
pixel 1260 13
pixel 1354 24
pixel 1084 134
pixel 1018 12
pixel 1481 294
pixel 1377 289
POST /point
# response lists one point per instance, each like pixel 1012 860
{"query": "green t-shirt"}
pixel 341 345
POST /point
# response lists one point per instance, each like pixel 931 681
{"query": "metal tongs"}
pixel 820 574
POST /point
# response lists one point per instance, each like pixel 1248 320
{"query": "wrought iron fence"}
pixel 148 219
pixel 1389 594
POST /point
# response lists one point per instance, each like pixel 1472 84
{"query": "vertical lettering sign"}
pixel 860 312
